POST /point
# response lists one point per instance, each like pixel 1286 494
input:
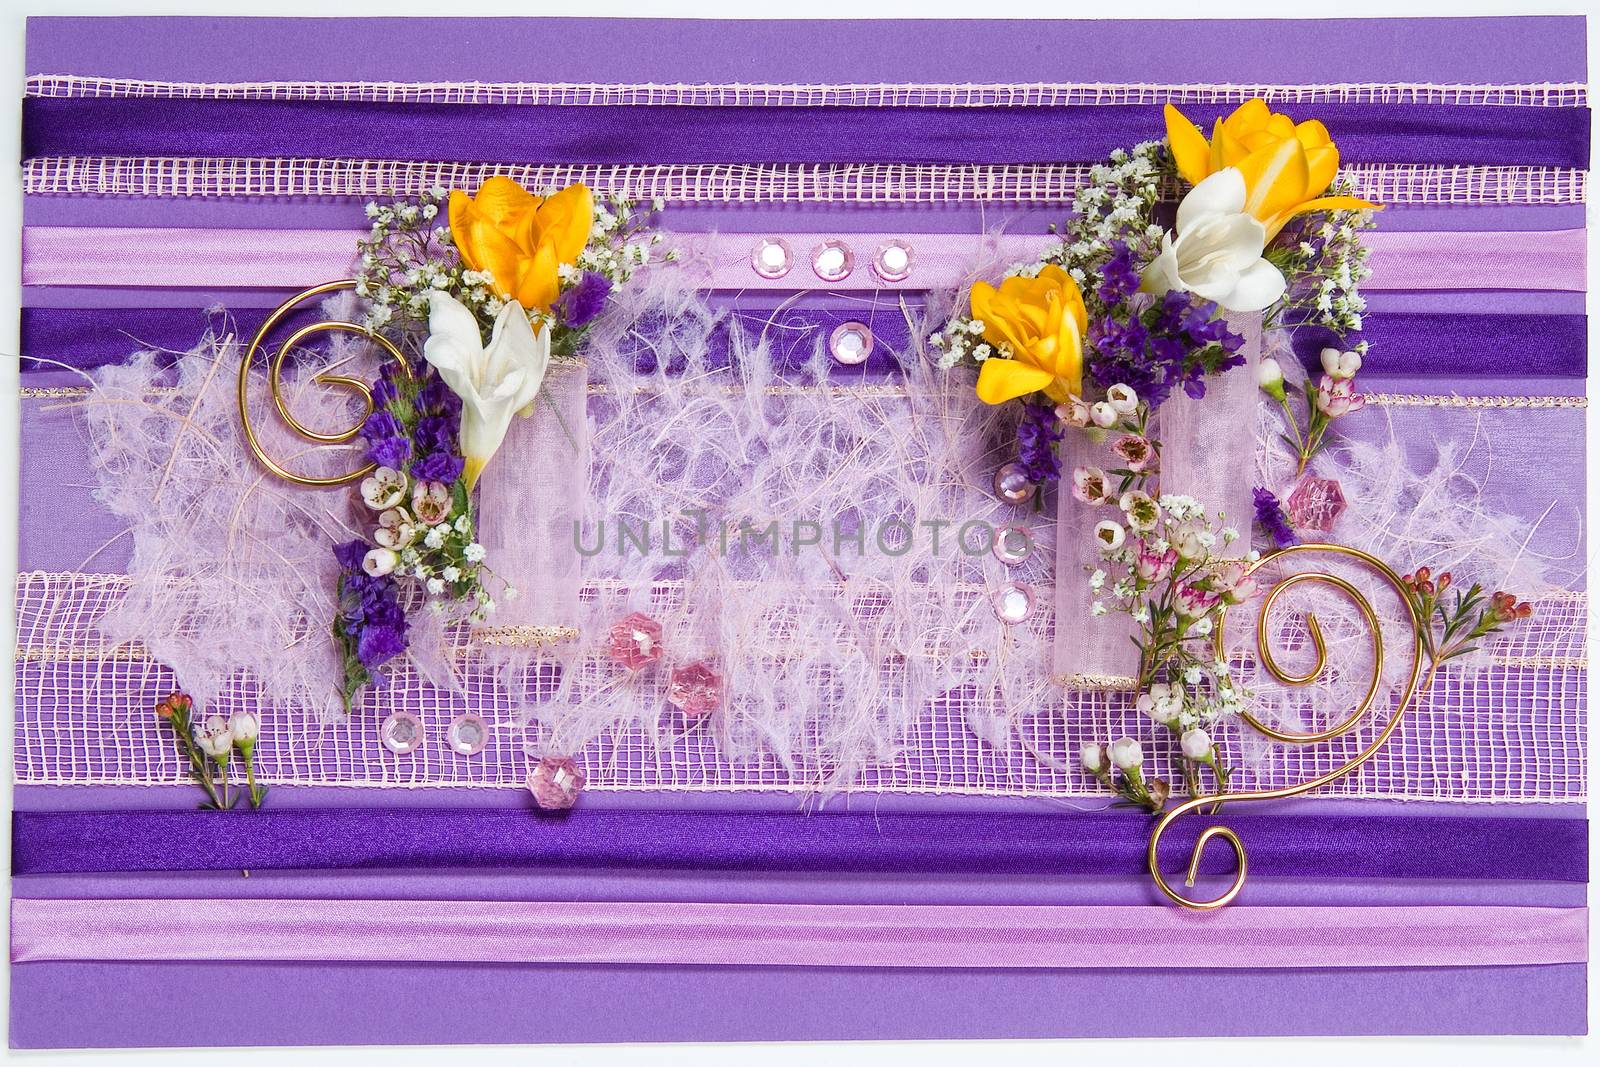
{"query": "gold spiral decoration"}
pixel 274 375
pixel 1362 711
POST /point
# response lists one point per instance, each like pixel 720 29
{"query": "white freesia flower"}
pixel 493 382
pixel 1216 251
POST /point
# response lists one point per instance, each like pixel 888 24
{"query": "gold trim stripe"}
pixel 1414 400
pixel 523 636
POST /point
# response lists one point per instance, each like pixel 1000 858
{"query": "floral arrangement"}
pixel 478 303
pixel 208 748
pixel 1124 312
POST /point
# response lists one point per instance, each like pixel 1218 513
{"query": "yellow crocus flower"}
pixel 521 239
pixel 1286 167
pixel 1042 321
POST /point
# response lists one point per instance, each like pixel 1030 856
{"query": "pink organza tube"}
pixel 530 495
pixel 1090 652
pixel 1208 445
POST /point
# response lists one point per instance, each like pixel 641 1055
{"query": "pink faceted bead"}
pixel 1316 504
pixel 636 641
pixel 556 782
pixel 695 689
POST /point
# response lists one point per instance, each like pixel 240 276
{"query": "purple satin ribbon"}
pixel 793 935
pixel 1403 344
pixel 1376 846
pixel 204 258
pixel 486 133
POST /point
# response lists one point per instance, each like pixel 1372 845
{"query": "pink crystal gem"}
pixel 1315 504
pixel 695 689
pixel 636 641
pixel 556 782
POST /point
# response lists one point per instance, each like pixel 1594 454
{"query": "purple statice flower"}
pixel 1176 342
pixel 437 398
pixel 379 643
pixel 1271 518
pixel 1119 278
pixel 434 433
pixel 371 621
pixel 443 467
pixel 385 391
pixel 350 554
pixel 580 304
pixel 388 444
pixel 389 451
pixel 1037 435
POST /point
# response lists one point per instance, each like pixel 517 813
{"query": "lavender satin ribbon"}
pixel 793 935
pixel 1373 846
pixel 323 129
pixel 205 258
pixel 1403 344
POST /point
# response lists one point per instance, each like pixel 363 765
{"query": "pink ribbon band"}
pixel 129 257
pixel 831 935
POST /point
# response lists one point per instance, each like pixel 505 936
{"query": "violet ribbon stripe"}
pixel 1075 844
pixel 487 133
pixel 1403 343
pixel 793 935
pixel 118 256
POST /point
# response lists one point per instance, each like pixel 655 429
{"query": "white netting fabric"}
pixel 1508 732
pixel 884 672
pixel 874 183
pixel 1543 94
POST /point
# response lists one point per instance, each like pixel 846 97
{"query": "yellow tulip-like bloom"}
pixel 521 239
pixel 1286 167
pixel 1042 320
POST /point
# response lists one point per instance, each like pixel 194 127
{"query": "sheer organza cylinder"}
pixel 1208 445
pixel 529 499
pixel 1090 652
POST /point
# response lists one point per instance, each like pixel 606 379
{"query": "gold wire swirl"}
pixel 275 372
pixel 1269 661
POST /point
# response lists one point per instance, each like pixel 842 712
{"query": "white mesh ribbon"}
pixel 530 497
pixel 1208 445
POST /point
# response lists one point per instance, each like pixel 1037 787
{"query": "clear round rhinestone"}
pixel 1012 484
pixel 771 258
pixel 1012 544
pixel 833 261
pixel 851 343
pixel 401 732
pixel 1012 603
pixel 467 734
pixel 893 261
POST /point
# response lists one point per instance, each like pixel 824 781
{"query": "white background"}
pixel 1503 1052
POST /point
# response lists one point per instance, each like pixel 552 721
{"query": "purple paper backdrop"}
pixel 58 1005
pixel 1443 51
